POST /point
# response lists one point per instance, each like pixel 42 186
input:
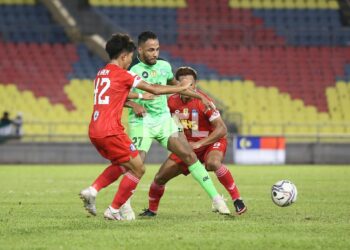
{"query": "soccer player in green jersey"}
pixel 156 123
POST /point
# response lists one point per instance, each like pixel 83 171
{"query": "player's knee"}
pixel 140 171
pixel 213 164
pixel 160 180
pixel 189 157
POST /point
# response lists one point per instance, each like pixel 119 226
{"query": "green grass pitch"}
pixel 40 209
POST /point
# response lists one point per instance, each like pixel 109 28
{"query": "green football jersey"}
pixel 159 73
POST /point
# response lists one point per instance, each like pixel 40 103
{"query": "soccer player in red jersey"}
pixel 157 124
pixel 206 132
pixel 106 132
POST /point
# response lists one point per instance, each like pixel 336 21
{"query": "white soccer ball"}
pixel 284 193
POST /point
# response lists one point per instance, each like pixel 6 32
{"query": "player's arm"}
pixel 137 108
pixel 220 130
pixel 161 90
pixel 192 93
pixel 143 96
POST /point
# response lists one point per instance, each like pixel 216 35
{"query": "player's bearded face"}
pixel 149 51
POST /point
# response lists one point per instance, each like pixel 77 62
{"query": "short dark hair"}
pixel 144 36
pixel 184 71
pixel 119 43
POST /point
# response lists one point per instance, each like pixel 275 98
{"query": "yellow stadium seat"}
pixel 100 2
pixel 333 4
pixel 311 4
pixel 245 4
pixel 322 4
pixel 268 4
pixel 300 4
pixel 235 4
pixel 279 4
pixel 256 130
pixel 256 4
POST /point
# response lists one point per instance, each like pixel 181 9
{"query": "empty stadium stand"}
pixel 40 70
pixel 293 52
pixel 283 65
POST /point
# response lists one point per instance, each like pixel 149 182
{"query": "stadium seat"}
pixel 274 61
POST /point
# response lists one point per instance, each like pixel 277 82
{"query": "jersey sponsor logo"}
pixel 144 74
pixel 132 147
pixel 216 145
pixel 96 114
pixel 187 124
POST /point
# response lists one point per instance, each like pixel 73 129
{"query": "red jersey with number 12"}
pixel 112 86
pixel 195 118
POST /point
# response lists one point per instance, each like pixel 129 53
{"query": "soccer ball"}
pixel 284 193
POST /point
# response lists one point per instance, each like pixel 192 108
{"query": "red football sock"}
pixel 226 179
pixel 126 188
pixel 154 195
pixel 108 176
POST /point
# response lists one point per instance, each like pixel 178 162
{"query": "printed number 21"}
pixel 98 96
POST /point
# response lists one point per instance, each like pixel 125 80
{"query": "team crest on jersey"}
pixel 185 111
pixel 163 72
pixel 153 73
pixel 132 147
pixel 96 114
pixel 177 111
pixel 144 74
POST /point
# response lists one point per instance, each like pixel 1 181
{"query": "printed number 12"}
pixel 105 83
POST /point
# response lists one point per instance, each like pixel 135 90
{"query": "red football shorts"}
pixel 202 154
pixel 116 148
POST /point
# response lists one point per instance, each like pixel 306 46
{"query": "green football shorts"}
pixel 142 134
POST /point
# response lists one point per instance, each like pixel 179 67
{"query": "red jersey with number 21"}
pixel 112 86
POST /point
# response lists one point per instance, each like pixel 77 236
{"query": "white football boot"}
pixel 126 211
pixel 112 214
pixel 219 206
pixel 89 200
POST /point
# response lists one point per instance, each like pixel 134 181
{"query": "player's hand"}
pixel 208 103
pixel 195 145
pixel 148 96
pixel 139 110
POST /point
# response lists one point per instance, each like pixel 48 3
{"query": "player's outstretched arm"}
pixel 207 102
pixel 220 130
pixel 192 93
pixel 144 96
pixel 161 90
